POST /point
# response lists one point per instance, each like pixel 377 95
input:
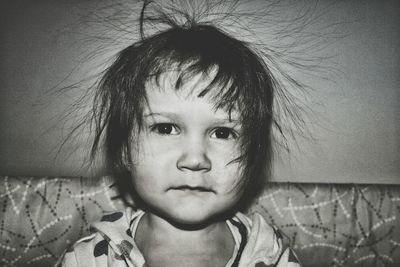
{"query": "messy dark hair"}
pixel 242 79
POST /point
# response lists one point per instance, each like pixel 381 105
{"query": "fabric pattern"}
pixel 40 217
pixel 328 224
pixel 337 225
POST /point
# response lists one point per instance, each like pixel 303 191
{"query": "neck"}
pixel 162 242
pixel 164 229
pixel 155 232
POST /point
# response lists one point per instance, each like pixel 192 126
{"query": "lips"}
pixel 188 188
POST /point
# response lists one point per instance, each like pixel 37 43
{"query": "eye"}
pixel 224 133
pixel 165 129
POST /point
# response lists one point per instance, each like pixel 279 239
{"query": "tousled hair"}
pixel 242 81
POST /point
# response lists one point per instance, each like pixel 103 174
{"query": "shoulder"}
pixel 266 245
pixel 109 242
pixel 85 251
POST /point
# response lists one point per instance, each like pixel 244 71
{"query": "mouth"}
pixel 195 189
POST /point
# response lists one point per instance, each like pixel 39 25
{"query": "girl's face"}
pixel 182 165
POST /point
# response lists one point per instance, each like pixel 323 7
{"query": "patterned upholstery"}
pixel 328 225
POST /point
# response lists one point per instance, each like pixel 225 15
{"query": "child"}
pixel 185 118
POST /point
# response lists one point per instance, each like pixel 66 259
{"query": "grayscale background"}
pixel 356 133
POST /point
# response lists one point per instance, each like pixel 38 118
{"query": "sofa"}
pixel 327 224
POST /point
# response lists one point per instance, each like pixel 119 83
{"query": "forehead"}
pixel 167 91
pixel 172 81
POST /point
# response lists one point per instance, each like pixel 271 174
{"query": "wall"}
pixel 354 120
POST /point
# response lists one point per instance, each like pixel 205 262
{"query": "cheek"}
pixel 228 177
pixel 224 155
pixel 150 161
pixel 141 180
pixel 224 152
pixel 150 148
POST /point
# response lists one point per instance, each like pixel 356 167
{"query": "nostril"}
pixel 194 163
pixel 194 156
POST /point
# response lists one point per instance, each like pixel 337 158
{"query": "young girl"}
pixel 185 118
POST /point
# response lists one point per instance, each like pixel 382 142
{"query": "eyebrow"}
pixel 163 114
pixel 174 116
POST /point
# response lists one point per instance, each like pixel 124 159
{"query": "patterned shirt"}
pixel 257 244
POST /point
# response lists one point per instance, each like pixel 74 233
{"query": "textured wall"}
pixel 356 128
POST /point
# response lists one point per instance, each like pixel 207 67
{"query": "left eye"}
pixel 224 133
pixel 165 129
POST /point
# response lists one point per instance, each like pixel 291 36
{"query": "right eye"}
pixel 165 129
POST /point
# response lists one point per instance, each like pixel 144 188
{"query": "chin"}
pixel 195 218
pixel 191 218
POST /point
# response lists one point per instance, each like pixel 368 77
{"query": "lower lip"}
pixel 192 191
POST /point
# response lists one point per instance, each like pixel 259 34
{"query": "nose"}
pixel 194 156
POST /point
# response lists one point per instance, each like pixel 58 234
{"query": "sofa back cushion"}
pixel 327 224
